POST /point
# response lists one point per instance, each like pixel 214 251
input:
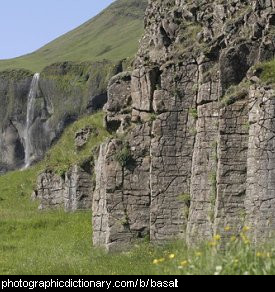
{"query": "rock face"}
pixel 260 198
pixel 73 191
pixel 193 150
pixel 65 91
pixel 83 135
pixel 14 90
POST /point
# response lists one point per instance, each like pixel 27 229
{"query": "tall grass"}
pixel 55 242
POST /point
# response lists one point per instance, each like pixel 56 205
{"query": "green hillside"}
pixel 113 35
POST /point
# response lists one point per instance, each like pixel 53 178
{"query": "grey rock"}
pixel 259 201
pixel 78 193
pixel 194 159
pixel 73 191
pixel 119 103
pixel 235 62
pixel 82 136
pixel 49 190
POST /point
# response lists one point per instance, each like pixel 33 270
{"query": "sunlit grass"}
pixel 236 256
pixel 55 242
pixel 268 74
pixel 112 35
pixel 64 154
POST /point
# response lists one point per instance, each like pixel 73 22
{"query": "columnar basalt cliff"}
pixel 193 146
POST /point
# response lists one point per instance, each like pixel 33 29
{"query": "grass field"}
pixel 34 242
pixel 112 35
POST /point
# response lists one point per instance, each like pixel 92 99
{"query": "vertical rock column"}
pixel 173 136
pixel 78 189
pixel 219 160
pixel 121 205
pixel 49 190
pixel 72 192
pixel 122 197
pixel 260 199
pixel 232 167
pixel 165 96
pixel 143 196
pixel 204 162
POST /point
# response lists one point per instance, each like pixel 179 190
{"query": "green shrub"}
pixel 124 156
pixel 268 73
pixel 194 113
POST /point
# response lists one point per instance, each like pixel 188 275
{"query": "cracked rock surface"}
pixel 72 192
pixel 193 146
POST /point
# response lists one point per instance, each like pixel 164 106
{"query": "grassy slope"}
pixel 268 74
pixel 63 155
pixel 112 35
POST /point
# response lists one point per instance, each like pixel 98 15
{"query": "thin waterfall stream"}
pixel 30 115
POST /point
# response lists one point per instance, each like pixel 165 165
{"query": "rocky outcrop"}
pixel 50 190
pixel 14 89
pixel 73 191
pixel 83 135
pixel 192 150
pixel 65 92
pixel 119 105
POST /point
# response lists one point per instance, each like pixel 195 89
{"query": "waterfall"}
pixel 29 120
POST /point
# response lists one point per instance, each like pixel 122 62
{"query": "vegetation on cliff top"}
pixel 11 74
pixel 268 74
pixel 64 154
pixel 71 86
pixel 235 92
pixel 112 35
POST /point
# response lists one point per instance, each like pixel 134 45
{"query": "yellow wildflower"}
pixel 217 237
pixel 172 256
pixel 161 260
pixel 246 228
pixel 246 242
pixel 244 237
pixel 184 264
pixel 263 255
pixel 258 254
pixel 233 238
pixel 227 228
pixel 198 254
pixel 213 243
pixel 155 262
